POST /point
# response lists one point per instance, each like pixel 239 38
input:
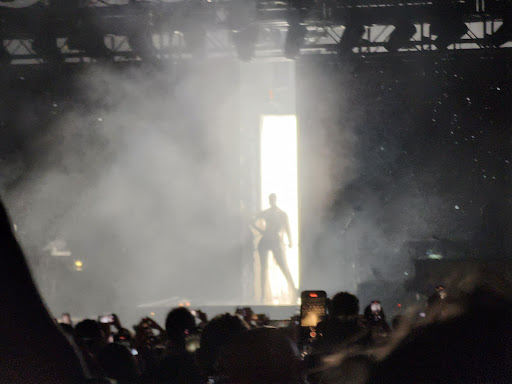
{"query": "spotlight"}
pixel 352 37
pixel 87 36
pixel 195 39
pixel 294 40
pixel 400 37
pixel 141 43
pixel 278 167
pixel 92 44
pixel 193 25
pixel 503 34
pixel 448 31
pixel 271 38
pixel 245 42
pixel 46 47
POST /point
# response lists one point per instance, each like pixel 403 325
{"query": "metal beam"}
pixel 116 30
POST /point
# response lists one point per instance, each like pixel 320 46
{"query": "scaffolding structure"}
pixel 56 31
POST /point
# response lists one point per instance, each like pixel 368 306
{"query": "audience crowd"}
pixel 464 335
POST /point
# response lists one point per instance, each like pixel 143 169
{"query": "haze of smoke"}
pixel 137 182
pixel 358 171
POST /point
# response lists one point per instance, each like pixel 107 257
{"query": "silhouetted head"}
pixel 344 304
pixel 261 356
pixel 272 199
pixel 88 329
pixel 178 323
pixel 118 363
pixel 88 333
pixel 215 336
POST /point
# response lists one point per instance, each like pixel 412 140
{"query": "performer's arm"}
pixel 253 223
pixel 256 228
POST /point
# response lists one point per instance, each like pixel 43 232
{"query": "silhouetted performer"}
pixel 276 224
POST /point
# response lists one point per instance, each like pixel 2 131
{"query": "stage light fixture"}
pixel 46 47
pixel 448 31
pixel 401 35
pixel 294 40
pixel 87 36
pixel 352 37
pixel 195 39
pixel 503 34
pixel 194 24
pixel 141 43
pixel 92 44
pixel 278 167
pixel 245 41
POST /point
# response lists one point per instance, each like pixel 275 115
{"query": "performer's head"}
pixel 272 199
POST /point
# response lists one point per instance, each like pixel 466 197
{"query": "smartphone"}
pixel 107 319
pixel 192 341
pixel 313 308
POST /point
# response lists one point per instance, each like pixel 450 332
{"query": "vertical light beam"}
pixel 278 156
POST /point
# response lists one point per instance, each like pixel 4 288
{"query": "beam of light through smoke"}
pixel 278 161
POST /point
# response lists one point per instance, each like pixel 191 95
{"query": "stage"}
pixel 159 310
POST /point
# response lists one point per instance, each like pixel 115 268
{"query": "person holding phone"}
pixel 376 323
pixel 276 225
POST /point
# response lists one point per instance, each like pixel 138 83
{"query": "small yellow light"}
pixel 187 304
pixel 78 265
pixel 152 313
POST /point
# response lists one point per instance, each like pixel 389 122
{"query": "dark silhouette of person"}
pixel 177 365
pixel 343 326
pixel 217 334
pixel 276 225
pixel 118 363
pixel 33 348
pixel 470 347
pixel 261 356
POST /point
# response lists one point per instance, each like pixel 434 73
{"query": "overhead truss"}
pixel 125 30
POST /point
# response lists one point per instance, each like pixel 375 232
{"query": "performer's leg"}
pixel 280 256
pixel 263 253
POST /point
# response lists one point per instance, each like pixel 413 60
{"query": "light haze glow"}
pixel 278 157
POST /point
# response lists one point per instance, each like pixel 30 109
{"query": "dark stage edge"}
pixel 274 312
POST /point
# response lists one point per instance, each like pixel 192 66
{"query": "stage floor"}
pixel 274 312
